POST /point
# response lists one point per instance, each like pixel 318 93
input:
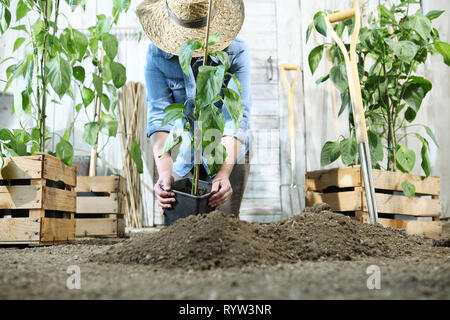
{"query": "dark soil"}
pixel 299 258
pixel 217 240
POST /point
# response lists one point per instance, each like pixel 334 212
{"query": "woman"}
pixel 168 24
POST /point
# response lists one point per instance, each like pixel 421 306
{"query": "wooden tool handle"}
pixel 290 67
pixel 341 15
pixel 291 89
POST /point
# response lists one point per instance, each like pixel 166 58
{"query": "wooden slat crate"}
pixel 343 190
pixel 37 201
pixel 100 207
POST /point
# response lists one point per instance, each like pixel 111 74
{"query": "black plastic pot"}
pixel 186 204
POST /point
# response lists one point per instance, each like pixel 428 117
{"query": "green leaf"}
pixel 386 15
pixel 87 96
pixel 215 157
pixel 338 75
pixel 136 155
pixel 109 124
pixel 375 146
pixel 173 139
pixel 331 151
pixel 105 101
pixel 6 135
pixel 38 26
pixel 213 39
pixel 408 188
pixel 444 49
pixel 323 79
pixel 103 25
pixel 406 159
pixel 405 50
pixel 209 84
pixel 80 42
pixel 223 57
pixel 186 51
pixel 2 162
pixel 78 107
pixel 348 149
pixel 234 106
pixel 308 31
pixel 64 151
pixel 236 81
pixel 426 164
pixel 110 44
pixel 90 134
pixel 5 20
pixel 18 43
pixel 420 24
pixel 79 73
pixel 431 135
pixel 415 92
pixel 173 112
pixel 21 10
pixel 319 23
pixel 98 84
pixel 119 74
pixel 434 14
pixel 315 57
pixel 59 72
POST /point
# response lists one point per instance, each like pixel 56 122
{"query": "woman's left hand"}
pixel 221 190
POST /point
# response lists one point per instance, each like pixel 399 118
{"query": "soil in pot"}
pixel 187 204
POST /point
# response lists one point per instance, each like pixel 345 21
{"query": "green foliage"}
pixel 57 63
pixel 211 88
pixel 408 188
pixel 391 49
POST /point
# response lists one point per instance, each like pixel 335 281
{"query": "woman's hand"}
pixel 221 190
pixel 162 190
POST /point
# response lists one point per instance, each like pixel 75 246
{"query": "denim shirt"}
pixel 166 84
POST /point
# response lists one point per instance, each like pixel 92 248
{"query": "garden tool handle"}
pixel 291 87
pixel 352 67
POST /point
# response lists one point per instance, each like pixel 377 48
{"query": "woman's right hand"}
pixel 162 190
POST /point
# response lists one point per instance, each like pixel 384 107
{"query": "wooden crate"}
pixel 37 201
pixel 343 190
pixel 100 207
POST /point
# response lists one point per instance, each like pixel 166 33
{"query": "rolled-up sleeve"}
pixel 240 68
pixel 159 95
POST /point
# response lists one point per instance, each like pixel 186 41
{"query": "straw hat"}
pixel 170 23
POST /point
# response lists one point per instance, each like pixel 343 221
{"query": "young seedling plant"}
pixel 391 49
pixel 202 116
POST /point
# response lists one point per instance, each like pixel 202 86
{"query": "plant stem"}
pixel 44 78
pixel 97 118
pixel 205 60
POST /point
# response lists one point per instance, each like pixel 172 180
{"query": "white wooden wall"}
pixel 275 29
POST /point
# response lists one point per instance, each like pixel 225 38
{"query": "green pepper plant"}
pixel 391 48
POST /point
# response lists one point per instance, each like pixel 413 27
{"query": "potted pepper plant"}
pixel 203 128
pixel 395 43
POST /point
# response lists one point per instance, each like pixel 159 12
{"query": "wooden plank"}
pixel 120 226
pixel 96 227
pixel 19 230
pixel 428 228
pixel 339 201
pixel 98 205
pixel 387 180
pixel 340 177
pixel 22 168
pixel 394 204
pixel 20 197
pixel 109 184
pixel 56 170
pixel 57 230
pixel 59 200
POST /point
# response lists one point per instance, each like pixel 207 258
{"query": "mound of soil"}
pixel 217 240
